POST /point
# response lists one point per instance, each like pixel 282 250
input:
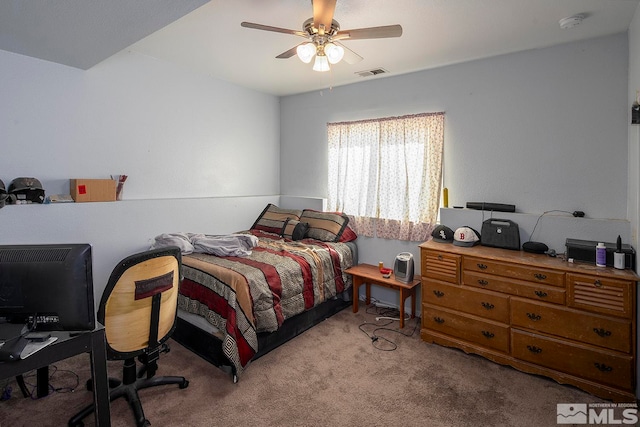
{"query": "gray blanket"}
pixel 225 245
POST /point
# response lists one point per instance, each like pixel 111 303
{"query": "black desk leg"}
pixel 43 381
pixel 22 385
pixel 100 378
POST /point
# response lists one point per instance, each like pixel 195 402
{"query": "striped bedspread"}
pixel 243 296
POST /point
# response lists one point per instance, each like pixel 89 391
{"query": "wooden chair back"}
pixel 126 306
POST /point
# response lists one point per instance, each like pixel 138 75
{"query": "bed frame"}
pixel 209 347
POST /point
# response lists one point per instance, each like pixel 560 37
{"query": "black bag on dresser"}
pixel 500 233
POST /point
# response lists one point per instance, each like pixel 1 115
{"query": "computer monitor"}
pixel 51 285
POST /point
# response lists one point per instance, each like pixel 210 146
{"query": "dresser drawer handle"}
pixel 534 317
pixel 482 266
pixel 540 276
pixel 488 334
pixel 602 332
pixel 440 258
pixel 438 293
pixel 602 367
pixel 483 282
pixel 541 294
pixel 488 305
pixel 597 283
pixel 438 320
pixel 534 349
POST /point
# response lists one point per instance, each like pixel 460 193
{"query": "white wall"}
pixel 173 132
pixel 543 129
pixel 202 155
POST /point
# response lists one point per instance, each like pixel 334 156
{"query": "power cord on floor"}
pixel 384 313
pixel 32 386
pixel 64 389
pixel 406 319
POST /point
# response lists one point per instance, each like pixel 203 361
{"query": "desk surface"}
pixel 68 344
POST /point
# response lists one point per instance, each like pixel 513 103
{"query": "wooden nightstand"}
pixel 370 274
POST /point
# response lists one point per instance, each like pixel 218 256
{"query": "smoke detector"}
pixel 571 21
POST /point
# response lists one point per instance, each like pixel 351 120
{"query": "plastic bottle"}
pixel 618 256
pixel 601 255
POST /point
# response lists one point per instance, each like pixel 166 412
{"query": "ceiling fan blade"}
pixel 350 57
pixel 323 13
pixel 288 54
pixel 370 33
pixel 274 29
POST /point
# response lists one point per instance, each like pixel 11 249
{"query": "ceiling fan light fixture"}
pixel 321 64
pixel 320 31
pixel 334 53
pixel 305 52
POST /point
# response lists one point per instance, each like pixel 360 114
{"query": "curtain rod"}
pixel 383 119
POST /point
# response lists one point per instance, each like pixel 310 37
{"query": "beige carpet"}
pixel 332 375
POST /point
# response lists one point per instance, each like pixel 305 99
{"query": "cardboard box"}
pixel 93 190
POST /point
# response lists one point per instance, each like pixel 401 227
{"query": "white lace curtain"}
pixel 386 174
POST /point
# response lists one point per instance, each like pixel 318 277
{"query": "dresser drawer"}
pixel 486 304
pixel 606 332
pixel 521 288
pixel 533 274
pixel 469 328
pixel 576 359
pixel 602 295
pixel 441 266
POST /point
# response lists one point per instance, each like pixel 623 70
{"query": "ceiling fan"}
pixel 323 34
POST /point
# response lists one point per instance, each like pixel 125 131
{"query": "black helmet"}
pixel 27 190
pixel 3 194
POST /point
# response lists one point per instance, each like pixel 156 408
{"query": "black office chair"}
pixel 138 310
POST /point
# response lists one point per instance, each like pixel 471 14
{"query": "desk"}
pixel 68 345
pixel 370 274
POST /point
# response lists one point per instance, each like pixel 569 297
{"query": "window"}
pixel 386 174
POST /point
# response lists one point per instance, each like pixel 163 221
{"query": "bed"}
pixel 234 309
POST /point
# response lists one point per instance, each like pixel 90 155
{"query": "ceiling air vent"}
pixel 373 72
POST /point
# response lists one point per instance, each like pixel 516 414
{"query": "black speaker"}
pixel 535 247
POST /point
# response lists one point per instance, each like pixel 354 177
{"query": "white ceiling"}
pixel 209 38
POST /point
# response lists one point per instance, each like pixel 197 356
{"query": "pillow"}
pixel 272 218
pixel 348 235
pixel 324 226
pixel 294 229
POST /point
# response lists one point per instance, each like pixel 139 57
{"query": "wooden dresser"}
pixel 575 323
